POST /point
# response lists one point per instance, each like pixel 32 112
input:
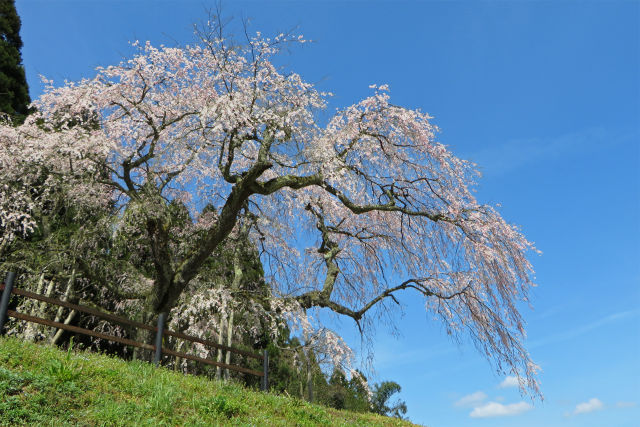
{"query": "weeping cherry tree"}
pixel 347 213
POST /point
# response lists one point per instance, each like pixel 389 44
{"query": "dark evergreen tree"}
pixel 338 390
pixel 14 92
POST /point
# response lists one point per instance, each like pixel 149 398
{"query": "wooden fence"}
pixel 160 331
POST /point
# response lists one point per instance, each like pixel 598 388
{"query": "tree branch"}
pixel 318 299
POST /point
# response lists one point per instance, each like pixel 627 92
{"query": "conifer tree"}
pixel 14 92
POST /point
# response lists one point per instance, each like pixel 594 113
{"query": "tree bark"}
pixel 59 333
pixel 221 322
pixel 67 293
pixel 229 342
pixel 30 329
pixel 34 329
pixel 309 380
pixel 237 279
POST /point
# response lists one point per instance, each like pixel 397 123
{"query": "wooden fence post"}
pixel 161 319
pixel 4 302
pixel 265 371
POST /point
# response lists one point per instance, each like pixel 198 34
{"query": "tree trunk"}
pixel 40 311
pixel 229 342
pixel 68 293
pixel 237 279
pixel 309 380
pixel 59 333
pixel 221 322
pixel 30 329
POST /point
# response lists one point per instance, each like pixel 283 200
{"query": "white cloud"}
pixel 590 406
pixel 626 404
pixel 510 381
pixel 495 409
pixel 472 399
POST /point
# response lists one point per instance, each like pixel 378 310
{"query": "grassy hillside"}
pixel 41 385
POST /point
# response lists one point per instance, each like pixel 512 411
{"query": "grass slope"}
pixel 42 385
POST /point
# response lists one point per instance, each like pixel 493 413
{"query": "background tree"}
pixel 381 395
pixel 352 394
pixel 14 92
pixel 347 213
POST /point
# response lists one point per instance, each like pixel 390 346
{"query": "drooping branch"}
pixel 390 206
pixel 318 299
pixel 330 251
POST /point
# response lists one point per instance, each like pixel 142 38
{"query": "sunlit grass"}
pixel 42 385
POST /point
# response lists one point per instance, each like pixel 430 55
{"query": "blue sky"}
pixel 544 96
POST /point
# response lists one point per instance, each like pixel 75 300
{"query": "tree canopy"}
pixel 380 401
pixel 345 213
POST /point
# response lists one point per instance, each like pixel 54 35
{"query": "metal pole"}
pixel 265 370
pixel 4 302
pixel 161 319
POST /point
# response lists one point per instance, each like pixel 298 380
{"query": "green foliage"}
pixel 225 406
pixel 296 372
pixel 380 401
pixel 14 93
pixel 346 394
pixel 65 370
pixel 62 371
pixel 113 392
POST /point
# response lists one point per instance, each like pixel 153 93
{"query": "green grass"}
pixel 42 385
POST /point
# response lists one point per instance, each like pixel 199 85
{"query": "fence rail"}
pixel 8 289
